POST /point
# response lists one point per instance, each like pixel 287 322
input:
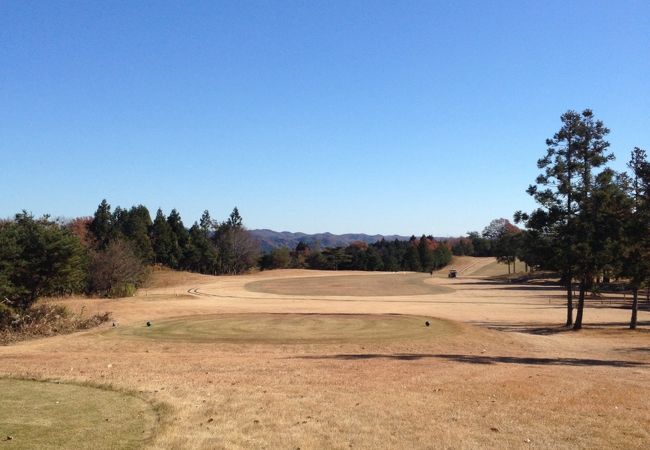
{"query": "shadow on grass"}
pixel 480 359
pixel 645 350
pixel 521 327
pixel 513 285
pixel 551 329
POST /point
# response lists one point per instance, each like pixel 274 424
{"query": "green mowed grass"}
pixel 292 328
pixel 380 285
pixel 37 414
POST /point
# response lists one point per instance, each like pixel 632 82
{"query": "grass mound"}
pixel 35 414
pixel 293 328
pixel 351 285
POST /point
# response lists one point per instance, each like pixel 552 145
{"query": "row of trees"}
pixel 208 246
pixel 109 253
pixel 592 223
pixel 422 254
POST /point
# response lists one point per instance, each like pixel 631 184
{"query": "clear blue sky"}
pixel 343 116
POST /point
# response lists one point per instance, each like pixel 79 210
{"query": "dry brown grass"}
pixel 365 285
pixel 539 388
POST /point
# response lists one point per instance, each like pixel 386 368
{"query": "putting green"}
pixel 39 414
pixel 381 285
pixel 292 328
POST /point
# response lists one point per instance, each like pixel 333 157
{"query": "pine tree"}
pixel 136 230
pixel 102 225
pixel 637 229
pixel 425 253
pixel 206 223
pixel 179 240
pixel 162 239
pixel 563 190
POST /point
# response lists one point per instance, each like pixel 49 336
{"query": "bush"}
pixel 43 319
pixel 115 271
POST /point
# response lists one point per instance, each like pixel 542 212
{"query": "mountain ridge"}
pixel 270 239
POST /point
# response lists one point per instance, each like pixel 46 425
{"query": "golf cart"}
pixel 452 273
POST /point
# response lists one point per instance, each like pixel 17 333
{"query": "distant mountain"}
pixel 270 239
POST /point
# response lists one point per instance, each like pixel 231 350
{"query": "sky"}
pixel 404 117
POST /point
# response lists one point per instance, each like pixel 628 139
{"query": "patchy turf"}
pixel 294 328
pixel 381 285
pixel 37 414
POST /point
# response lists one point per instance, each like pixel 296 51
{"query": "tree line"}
pixel 423 254
pixel 208 246
pixel 108 253
pixel 592 223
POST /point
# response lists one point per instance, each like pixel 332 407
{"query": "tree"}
pixel 504 240
pixel 480 245
pixel 38 258
pixel 235 220
pixel 463 247
pixel 238 250
pixel 411 260
pixel 162 239
pixel 135 228
pixel 562 191
pixel 426 247
pixel 206 223
pixel 637 229
pixel 335 257
pixel 102 225
pixel 591 154
pixel 115 271
pixel 201 253
pixel 80 227
pixel 278 258
pixel 179 239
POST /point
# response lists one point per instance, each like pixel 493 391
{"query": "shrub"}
pixel 43 319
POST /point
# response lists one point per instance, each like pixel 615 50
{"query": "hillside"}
pixel 270 239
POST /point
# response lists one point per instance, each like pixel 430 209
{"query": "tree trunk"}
pixel 514 265
pixel 647 294
pixel 569 303
pixel 581 305
pixel 635 307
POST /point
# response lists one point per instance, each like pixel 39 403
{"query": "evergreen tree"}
pixel 234 220
pixel 206 223
pixel 162 239
pixel 179 239
pixel 562 191
pixel 136 230
pixel 201 254
pixel 425 253
pixel 38 258
pixel 636 264
pixel 591 154
pixel 411 261
pixel 102 225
